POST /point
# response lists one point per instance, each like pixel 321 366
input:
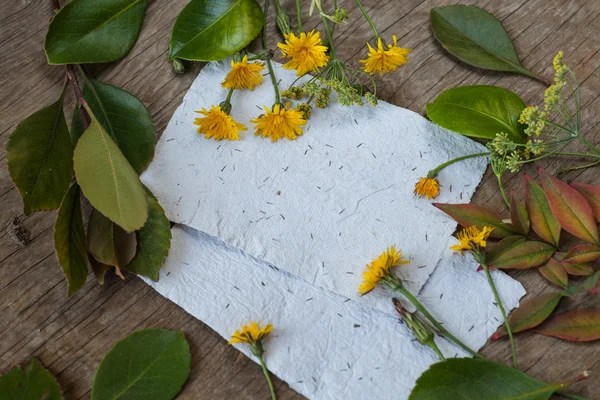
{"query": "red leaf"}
pixel 581 325
pixel 542 221
pixel 591 194
pixel 570 208
pixel 582 253
pixel 577 269
pixel 555 273
pixel 530 313
pixel 524 255
pixel 518 214
pixel 470 214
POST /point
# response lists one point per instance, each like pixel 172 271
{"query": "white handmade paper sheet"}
pixel 322 206
pixel 324 345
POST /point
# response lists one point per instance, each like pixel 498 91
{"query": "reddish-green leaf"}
pixel 572 268
pixel 592 283
pixel 582 253
pixel 555 273
pixel 581 325
pixel 471 214
pixel 542 221
pixel 570 208
pixel 530 313
pixel 518 214
pixel 503 246
pixel 524 255
pixel 591 194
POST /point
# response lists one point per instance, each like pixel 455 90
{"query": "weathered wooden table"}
pixel 71 335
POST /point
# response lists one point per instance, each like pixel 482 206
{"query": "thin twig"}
pixel 72 74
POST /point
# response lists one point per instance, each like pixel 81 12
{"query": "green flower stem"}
pixel 434 172
pixel 437 350
pixel 589 145
pixel 266 373
pixel 499 176
pixel 229 95
pixel 419 306
pixel 299 15
pixel 329 38
pixel 503 311
pixel 269 65
pixel 369 20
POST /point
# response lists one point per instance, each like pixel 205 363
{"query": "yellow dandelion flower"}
pixel 218 125
pixel 307 52
pixel 244 75
pixel 380 268
pixel 384 60
pixel 427 187
pixel 251 333
pixel 471 238
pixel 281 122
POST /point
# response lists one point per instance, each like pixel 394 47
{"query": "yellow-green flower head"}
pixel 306 51
pixel 380 268
pixel 251 333
pixel 427 187
pixel 472 238
pixel 281 122
pixel 218 125
pixel 244 75
pixel 384 60
pixel 305 109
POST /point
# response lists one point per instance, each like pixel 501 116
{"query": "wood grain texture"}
pixel 71 335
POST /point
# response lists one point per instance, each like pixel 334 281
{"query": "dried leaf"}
pixel 580 325
pixel 582 253
pixel 542 221
pixel 570 208
pixel 555 273
pixel 524 255
pixel 518 214
pixel 530 313
pixel 591 194
pixel 471 214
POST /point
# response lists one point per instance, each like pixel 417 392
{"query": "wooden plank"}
pixel 71 335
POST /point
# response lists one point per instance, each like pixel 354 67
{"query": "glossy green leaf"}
pixel 40 158
pixel 542 220
pixel 592 283
pixel 94 31
pixel 471 378
pixel 570 208
pixel 108 242
pixel 580 325
pixel 211 30
pixel 582 253
pixel 108 180
pixel 530 313
pixel 125 119
pixel 524 255
pixel 77 127
pixel 479 111
pixel 149 364
pixel 153 241
pixel 476 37
pixel 69 240
pixel 592 194
pixel 31 382
pixel 470 214
pixel 553 271
pixel 502 246
pixel 518 214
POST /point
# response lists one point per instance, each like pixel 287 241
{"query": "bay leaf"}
pixel 31 381
pixel 108 242
pixel 40 158
pixel 148 364
pixel 211 30
pixel 94 31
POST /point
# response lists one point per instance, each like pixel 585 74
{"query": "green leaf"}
pixel 542 220
pixel 211 30
pixel 469 379
pixel 69 240
pixel 125 119
pixel 518 214
pixel 530 313
pixel 591 194
pixel 107 179
pixel 99 269
pixel 77 127
pixel 148 364
pixel 524 255
pixel 592 283
pixel 503 246
pixel 570 208
pixel 94 31
pixel 32 382
pixel 153 241
pixel 40 158
pixel 555 273
pixel 470 214
pixel 479 111
pixel 476 37
pixel 108 242
pixel 580 325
